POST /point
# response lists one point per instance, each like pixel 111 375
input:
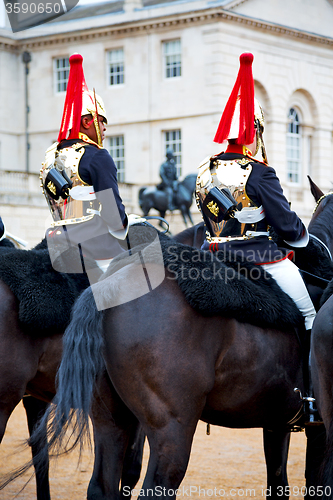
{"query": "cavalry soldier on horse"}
pixel 168 174
pixel 79 178
pixel 241 197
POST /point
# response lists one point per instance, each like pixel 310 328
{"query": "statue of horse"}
pixel 192 348
pixel 29 359
pixel 151 197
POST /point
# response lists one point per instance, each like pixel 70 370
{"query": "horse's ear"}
pixel 316 192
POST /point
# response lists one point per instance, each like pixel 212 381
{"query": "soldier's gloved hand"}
pixel 135 219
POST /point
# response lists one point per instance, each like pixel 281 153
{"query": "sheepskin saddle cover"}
pixel 45 296
pixel 214 286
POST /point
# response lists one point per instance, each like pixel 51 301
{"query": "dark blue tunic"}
pixel 263 188
pixel 97 169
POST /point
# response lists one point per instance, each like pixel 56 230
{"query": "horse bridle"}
pixel 320 200
pixel 315 237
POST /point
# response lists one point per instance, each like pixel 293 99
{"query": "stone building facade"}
pixel 165 71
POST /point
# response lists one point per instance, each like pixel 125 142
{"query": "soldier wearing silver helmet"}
pixel 79 177
pixel 241 197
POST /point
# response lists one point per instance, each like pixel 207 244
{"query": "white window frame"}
pixel 294 148
pixel 56 71
pixel 116 62
pixel 117 151
pixel 173 139
pixel 172 59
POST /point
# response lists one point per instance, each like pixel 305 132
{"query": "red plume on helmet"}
pixel 73 104
pixel 244 92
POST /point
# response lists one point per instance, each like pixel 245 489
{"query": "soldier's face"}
pixel 102 127
pixel 89 127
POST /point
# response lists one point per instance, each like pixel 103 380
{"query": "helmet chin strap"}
pixel 96 123
pixel 98 132
pixel 263 149
pixel 260 141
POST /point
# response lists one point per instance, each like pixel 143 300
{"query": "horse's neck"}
pixel 322 228
pixel 189 184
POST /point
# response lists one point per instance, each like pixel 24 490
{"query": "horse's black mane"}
pixel 313 258
pixel 327 293
pixel 6 244
pixel 189 234
pixel 322 222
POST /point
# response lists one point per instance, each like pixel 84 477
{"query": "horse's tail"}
pixel 81 362
pixel 80 365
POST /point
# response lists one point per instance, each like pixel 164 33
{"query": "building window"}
pixel 173 140
pixel 115 66
pixel 61 72
pixel 117 151
pixel 294 146
pixel 172 59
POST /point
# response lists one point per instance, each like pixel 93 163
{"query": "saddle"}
pixel 211 286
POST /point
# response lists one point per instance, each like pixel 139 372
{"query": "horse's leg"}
pixel 276 447
pixel 190 216
pixel 315 452
pixel 18 357
pixel 35 408
pixel 113 425
pixel 183 212
pixel 322 378
pixel 162 214
pixel 170 448
pixel 133 459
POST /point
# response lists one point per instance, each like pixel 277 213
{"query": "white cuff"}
pixel 120 234
pixel 301 243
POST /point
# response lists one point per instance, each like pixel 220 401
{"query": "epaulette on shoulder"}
pixel 248 160
pixel 78 145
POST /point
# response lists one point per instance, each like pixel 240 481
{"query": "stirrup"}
pixel 309 399
pixel 311 413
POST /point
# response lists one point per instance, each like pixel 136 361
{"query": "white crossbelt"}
pixel 247 236
pixel 250 215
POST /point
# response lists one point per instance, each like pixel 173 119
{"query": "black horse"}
pixel 151 197
pixel 322 356
pixel 30 354
pixel 37 358
pixel 322 374
pixel 188 351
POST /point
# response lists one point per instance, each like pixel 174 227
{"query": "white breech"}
pixel 288 277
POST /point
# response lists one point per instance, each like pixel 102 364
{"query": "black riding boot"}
pixel 311 413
